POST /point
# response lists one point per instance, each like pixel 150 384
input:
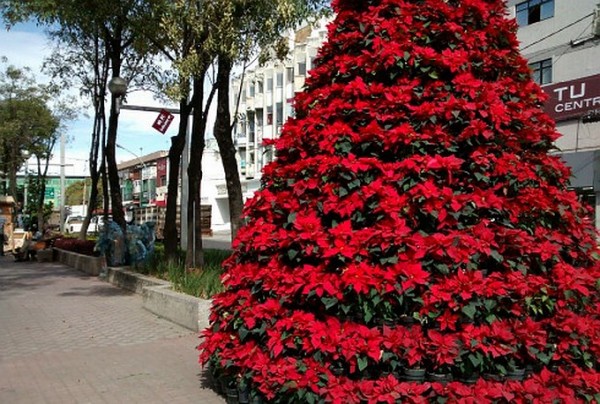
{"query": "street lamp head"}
pixel 117 86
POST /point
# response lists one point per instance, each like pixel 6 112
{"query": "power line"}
pixel 569 47
pixel 556 32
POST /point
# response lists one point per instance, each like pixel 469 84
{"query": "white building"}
pixel 561 40
pixel 267 94
pixel 213 188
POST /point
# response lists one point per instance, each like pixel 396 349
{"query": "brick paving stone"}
pixel 69 338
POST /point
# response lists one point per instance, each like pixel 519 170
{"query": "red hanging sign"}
pixel 163 121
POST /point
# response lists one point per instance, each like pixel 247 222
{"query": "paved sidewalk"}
pixel 220 240
pixel 69 338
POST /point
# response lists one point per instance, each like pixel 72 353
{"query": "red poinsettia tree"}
pixel 414 239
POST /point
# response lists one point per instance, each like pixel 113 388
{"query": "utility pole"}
pixel 62 182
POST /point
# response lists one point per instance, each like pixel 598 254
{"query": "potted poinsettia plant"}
pixel 415 351
pixel 442 353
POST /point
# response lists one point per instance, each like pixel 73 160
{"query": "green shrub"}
pixel 202 283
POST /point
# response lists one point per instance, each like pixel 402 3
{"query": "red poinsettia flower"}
pixel 414 183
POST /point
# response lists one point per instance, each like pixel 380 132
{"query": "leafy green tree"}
pixel 29 127
pixel 107 34
pixel 182 39
pixel 80 59
pixel 78 193
pixel 38 213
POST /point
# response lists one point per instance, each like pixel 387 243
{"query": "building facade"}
pixel 144 183
pixel 144 179
pixel 266 96
pixel 561 41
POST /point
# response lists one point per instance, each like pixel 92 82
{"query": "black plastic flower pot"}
pixel 243 395
pixel 337 368
pixel 469 379
pixel 414 374
pixel 232 395
pixel 223 386
pixel 256 399
pixel 515 374
pixel 407 321
pixel 439 377
pixel 494 377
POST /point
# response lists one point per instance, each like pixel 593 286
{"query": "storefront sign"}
pixel 573 99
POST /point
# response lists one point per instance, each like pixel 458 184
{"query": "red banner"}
pixel 163 121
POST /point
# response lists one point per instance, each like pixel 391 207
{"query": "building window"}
pixel 279 79
pixel 269 84
pixel 532 11
pixel 269 115
pixel 251 90
pixel 541 71
pixel 259 87
pixel 279 113
pixel 302 68
pixel 290 75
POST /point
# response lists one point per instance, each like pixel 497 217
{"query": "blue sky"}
pixel 27 45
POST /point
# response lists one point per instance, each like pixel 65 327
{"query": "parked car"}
pixel 97 224
pixel 73 224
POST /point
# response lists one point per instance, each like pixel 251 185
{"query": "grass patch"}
pixel 203 283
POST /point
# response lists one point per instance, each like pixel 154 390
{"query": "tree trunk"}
pixel 41 180
pixel 40 203
pixel 12 185
pixel 222 133
pixel 90 208
pixel 175 151
pixel 98 134
pixel 115 54
pixel 111 163
pixel 105 186
pixel 194 256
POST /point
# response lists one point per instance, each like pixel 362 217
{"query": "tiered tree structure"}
pixel 414 239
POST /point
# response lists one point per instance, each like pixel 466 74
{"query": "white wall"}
pixel 552 38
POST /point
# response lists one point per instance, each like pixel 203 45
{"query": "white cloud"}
pixel 24 48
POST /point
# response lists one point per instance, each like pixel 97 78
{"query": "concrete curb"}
pixel 85 263
pixel 159 298
pixel 187 311
pixel 129 280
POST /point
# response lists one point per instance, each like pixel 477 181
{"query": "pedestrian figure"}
pixel 2 222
